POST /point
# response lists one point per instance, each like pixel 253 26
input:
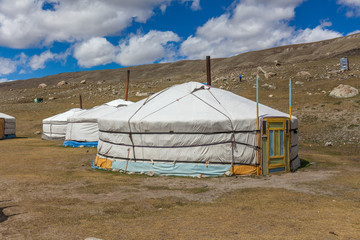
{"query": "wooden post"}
pixel 290 99
pixel 208 71
pixel 127 85
pixel 257 126
pixel 290 113
pixel 80 102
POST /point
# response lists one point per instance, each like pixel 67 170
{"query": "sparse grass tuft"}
pixel 352 126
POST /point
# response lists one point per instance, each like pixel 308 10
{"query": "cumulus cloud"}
pixel 7 66
pixel 27 23
pixel 312 35
pixel 3 80
pixel 38 61
pixel 148 48
pixel 136 50
pixel 251 25
pixel 93 52
pixel 247 25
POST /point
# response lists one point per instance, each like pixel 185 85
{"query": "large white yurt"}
pixel 7 126
pixel 83 127
pixel 192 129
pixel 54 128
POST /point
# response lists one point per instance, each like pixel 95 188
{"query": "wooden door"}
pixel 275 136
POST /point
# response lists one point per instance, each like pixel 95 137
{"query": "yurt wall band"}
pixel 80 144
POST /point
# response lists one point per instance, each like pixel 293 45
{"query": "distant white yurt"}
pixel 83 127
pixel 54 128
pixel 7 126
pixel 193 129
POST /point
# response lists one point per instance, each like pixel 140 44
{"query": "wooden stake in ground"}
pixel 127 85
pixel 257 125
pixel 208 71
pixel 127 160
pixel 80 102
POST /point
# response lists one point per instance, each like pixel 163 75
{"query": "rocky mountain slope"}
pixel 314 69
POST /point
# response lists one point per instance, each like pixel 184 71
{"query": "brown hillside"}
pixel 322 117
pixel 345 46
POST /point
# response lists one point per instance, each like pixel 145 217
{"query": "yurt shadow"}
pixel 4 217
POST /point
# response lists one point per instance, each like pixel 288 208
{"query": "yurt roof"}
pixel 62 117
pixel 118 103
pixel 189 107
pixel 91 115
pixel 5 116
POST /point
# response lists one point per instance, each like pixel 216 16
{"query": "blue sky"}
pixel 45 37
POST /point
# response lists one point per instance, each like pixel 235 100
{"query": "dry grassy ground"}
pixel 51 192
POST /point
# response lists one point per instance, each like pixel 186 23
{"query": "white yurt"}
pixel 192 129
pixel 54 128
pixel 7 126
pixel 83 127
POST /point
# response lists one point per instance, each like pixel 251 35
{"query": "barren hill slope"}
pixel 194 69
pixel 322 118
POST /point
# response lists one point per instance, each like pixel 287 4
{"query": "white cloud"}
pixel 354 32
pixel 25 23
pixel 353 7
pixel 251 25
pixel 38 61
pixel 312 35
pixel 93 52
pixel 350 2
pixel 21 59
pixel 195 5
pixel 7 66
pixel 142 49
pixel 136 50
pixel 3 80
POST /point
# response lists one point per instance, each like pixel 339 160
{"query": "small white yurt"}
pixel 54 128
pixel 192 129
pixel 7 126
pixel 83 127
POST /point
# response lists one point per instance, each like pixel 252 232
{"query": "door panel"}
pixel 275 146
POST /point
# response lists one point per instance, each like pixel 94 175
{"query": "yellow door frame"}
pixel 286 142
